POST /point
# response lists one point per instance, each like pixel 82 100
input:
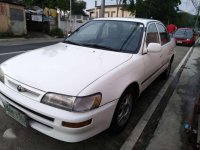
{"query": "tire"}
pixel 123 111
pixel 167 71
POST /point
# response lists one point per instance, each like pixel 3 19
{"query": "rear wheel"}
pixel 123 111
pixel 166 73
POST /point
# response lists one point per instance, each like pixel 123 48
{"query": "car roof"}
pixel 141 20
pixel 186 28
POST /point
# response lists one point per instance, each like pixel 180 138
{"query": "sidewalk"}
pixel 20 41
pixel 170 134
pixel 33 37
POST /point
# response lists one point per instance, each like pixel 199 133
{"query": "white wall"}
pixel 65 25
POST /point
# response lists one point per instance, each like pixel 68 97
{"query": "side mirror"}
pixel 154 47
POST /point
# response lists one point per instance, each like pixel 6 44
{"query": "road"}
pixel 30 139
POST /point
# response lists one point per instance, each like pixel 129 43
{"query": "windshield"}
pixel 121 36
pixel 187 33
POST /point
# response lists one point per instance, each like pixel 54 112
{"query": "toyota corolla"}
pixel 86 84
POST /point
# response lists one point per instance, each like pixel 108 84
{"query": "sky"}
pixel 185 6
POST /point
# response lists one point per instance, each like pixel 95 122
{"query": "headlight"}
pixel 87 103
pixel 1 75
pixel 71 103
pixel 188 39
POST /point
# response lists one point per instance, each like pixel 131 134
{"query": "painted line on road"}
pixel 12 53
pixel 137 131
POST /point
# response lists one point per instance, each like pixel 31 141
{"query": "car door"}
pixel 165 43
pixel 152 61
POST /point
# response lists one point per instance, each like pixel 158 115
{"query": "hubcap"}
pixel 125 110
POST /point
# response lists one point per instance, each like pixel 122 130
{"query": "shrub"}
pixel 56 32
pixel 6 35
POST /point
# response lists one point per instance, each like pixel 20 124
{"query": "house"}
pixel 110 11
pixel 12 18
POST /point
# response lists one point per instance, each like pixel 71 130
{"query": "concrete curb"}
pixel 25 39
pixel 21 41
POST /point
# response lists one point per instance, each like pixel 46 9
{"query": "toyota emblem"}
pixel 21 89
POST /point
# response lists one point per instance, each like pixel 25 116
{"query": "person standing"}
pixel 171 28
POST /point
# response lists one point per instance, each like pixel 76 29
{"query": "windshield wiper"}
pixel 74 43
pixel 99 47
pixel 91 45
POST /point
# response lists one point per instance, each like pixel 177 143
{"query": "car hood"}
pixel 62 68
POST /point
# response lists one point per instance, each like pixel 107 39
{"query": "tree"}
pixel 129 5
pixel 164 11
pixel 196 4
pixel 185 20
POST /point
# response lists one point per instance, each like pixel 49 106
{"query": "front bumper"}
pixel 48 120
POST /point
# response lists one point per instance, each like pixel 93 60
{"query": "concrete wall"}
pixel 4 11
pixel 76 22
pixel 110 12
pixel 12 19
pixel 65 26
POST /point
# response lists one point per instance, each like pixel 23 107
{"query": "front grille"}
pixel 14 86
pixel 23 89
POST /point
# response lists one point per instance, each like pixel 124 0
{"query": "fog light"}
pixel 76 125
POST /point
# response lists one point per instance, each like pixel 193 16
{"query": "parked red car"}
pixel 184 36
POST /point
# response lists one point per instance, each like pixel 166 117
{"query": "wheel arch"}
pixel 133 86
pixel 114 127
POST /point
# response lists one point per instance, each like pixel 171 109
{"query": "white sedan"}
pixel 74 90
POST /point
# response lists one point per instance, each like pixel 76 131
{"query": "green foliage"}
pixel 165 11
pixel 129 5
pixel 77 6
pixel 56 32
pixel 185 20
pixel 6 35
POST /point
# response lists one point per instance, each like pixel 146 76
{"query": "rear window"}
pixel 184 32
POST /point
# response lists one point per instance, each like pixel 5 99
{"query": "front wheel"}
pixel 123 111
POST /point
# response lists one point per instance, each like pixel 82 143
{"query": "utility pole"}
pixel 95 15
pixel 70 17
pixel 118 2
pixel 117 7
pixel 102 8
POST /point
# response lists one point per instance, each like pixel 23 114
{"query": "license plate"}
pixel 179 41
pixel 17 115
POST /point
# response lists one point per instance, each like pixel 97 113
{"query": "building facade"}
pixel 12 18
pixel 110 11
